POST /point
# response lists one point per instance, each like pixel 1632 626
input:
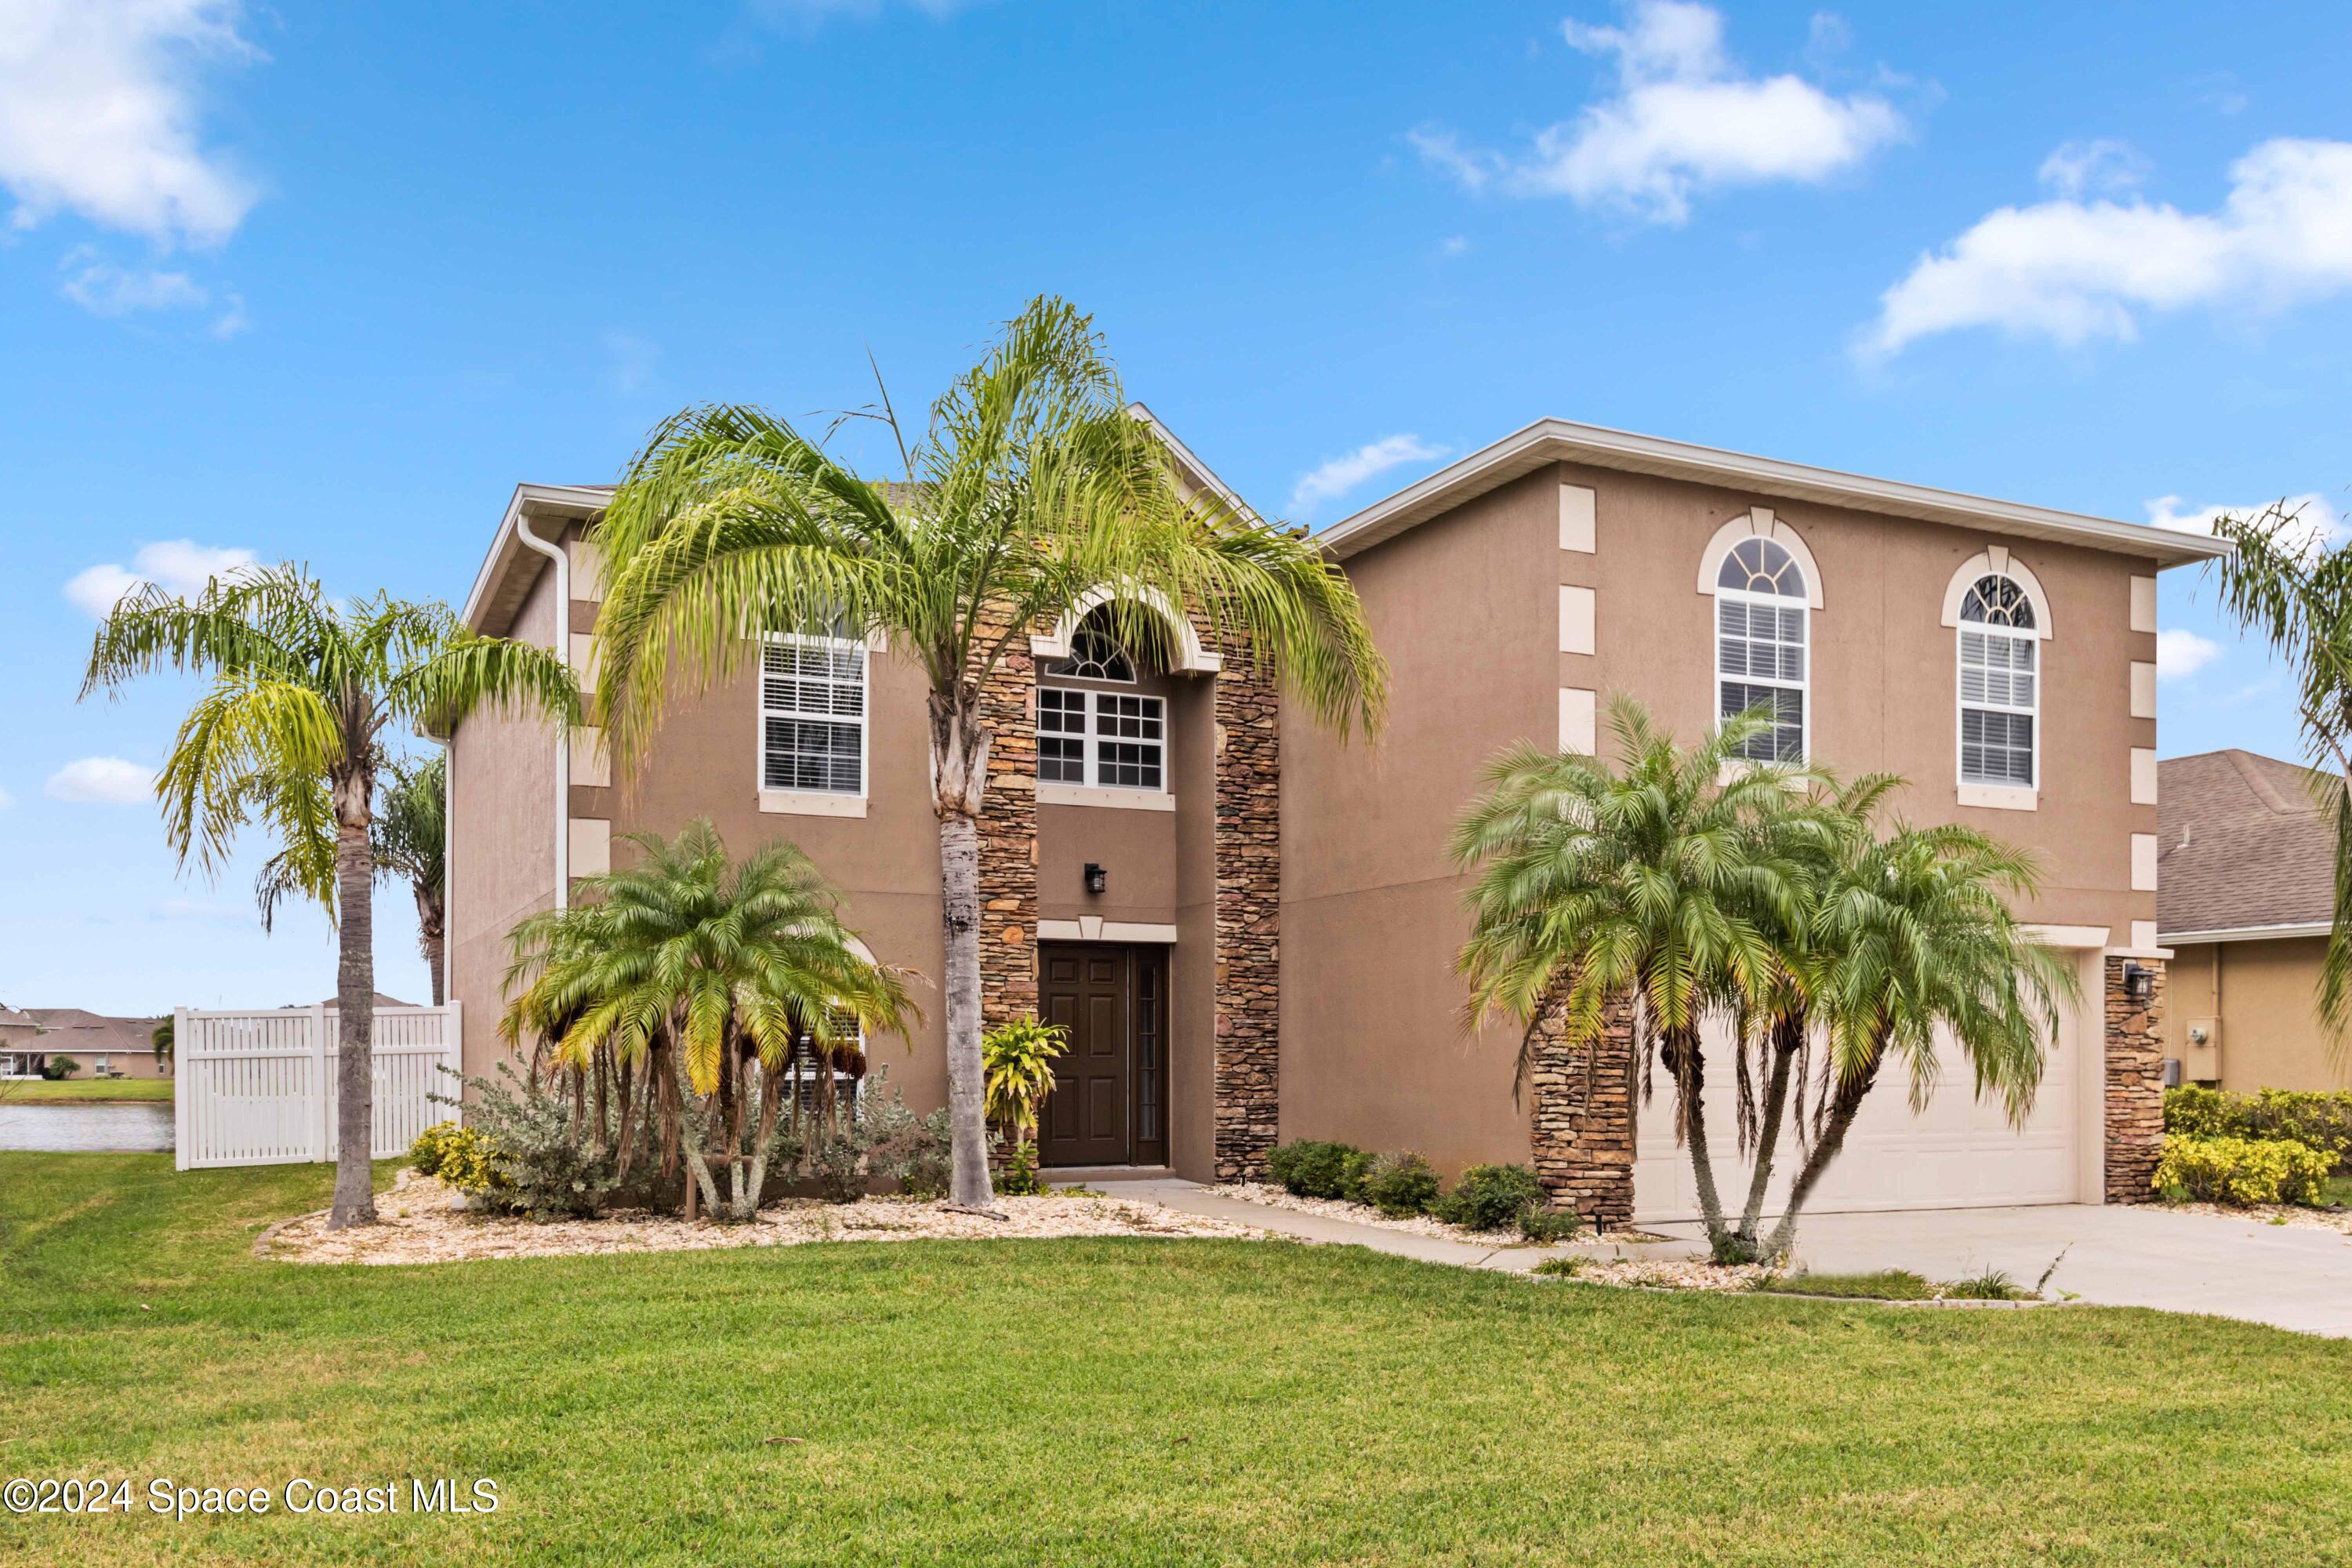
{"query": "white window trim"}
pixel 814 803
pixel 1805 689
pixel 1092 791
pixel 1987 792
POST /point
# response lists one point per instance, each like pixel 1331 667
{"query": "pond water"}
pixel 136 1124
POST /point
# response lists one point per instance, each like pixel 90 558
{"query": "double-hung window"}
pixel 1759 646
pixel 1999 685
pixel 1105 740
pixel 813 715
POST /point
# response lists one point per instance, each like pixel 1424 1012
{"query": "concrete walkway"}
pixel 2287 1276
pixel 2293 1277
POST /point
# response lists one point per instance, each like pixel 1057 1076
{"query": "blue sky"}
pixel 325 281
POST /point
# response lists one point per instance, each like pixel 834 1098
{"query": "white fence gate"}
pixel 258 1088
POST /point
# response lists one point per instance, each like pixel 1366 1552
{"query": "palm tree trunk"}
pixel 354 1007
pixel 960 914
pixel 765 1134
pixel 1788 1034
pixel 429 939
pixel 689 1140
pixel 1842 1107
pixel 1689 1089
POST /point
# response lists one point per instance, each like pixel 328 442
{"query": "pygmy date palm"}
pixel 1033 489
pixel 290 734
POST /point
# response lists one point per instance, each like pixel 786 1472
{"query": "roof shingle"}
pixel 2240 843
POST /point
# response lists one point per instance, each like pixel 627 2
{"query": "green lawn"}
pixel 1093 1401
pixel 25 1091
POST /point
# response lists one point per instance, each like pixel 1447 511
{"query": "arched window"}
pixel 1760 645
pixel 1100 740
pixel 1999 684
pixel 1095 653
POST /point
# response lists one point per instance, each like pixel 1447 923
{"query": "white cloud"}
pixel 2071 271
pixel 1683 120
pixel 2180 653
pixel 1343 474
pixel 2100 164
pixel 101 781
pixel 105 290
pixel 2314 523
pixel 181 566
pixel 99 115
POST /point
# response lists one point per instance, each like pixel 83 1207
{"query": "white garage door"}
pixel 1959 1153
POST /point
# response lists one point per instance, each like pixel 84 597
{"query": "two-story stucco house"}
pixel 1250 925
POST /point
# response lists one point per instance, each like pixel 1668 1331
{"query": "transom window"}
pixel 1999 685
pixel 1760 618
pixel 1107 740
pixel 1095 653
pixel 813 715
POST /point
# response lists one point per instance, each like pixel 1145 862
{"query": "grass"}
pixel 1885 1285
pixel 1109 1402
pixel 32 1091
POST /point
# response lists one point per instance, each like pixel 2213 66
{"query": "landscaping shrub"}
pixel 2318 1119
pixel 1489 1197
pixel 525 1150
pixel 429 1150
pixel 1545 1225
pixel 1311 1168
pixel 874 1137
pixel 459 1155
pixel 2242 1171
pixel 1992 1285
pixel 1400 1184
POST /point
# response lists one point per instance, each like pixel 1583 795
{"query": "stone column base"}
pixel 2135 1083
pixel 1581 1140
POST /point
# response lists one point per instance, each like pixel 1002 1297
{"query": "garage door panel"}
pixel 1958 1152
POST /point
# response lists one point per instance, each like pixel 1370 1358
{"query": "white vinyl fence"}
pixel 258 1088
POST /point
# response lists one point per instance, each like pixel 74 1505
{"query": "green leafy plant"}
pixel 1545 1227
pixel 2242 1171
pixel 1019 1177
pixel 527 1151
pixel 56 1069
pixel 426 1153
pixel 1992 1285
pixel 1489 1197
pixel 1016 1061
pixel 461 1157
pixel 2320 1119
pixel 1400 1184
pixel 1560 1268
pixel 1313 1168
pixel 875 1136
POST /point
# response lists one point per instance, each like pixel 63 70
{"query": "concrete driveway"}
pixel 2289 1275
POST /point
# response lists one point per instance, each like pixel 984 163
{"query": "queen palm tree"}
pixel 411 842
pixel 716 978
pixel 1655 884
pixel 1912 937
pixel 1030 489
pixel 289 733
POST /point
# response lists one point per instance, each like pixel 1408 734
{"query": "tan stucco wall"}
pixel 1466 609
pixel 2262 994
pixel 502 842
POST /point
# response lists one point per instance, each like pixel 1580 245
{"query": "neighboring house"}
pixel 32 1037
pixel 1251 926
pixel 2249 892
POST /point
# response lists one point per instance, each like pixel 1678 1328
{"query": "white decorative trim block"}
pixel 1094 928
pixel 1575 619
pixel 1116 799
pixel 2143 603
pixel 1577 724
pixel 590 763
pixel 2143 934
pixel 1576 519
pixel 591 846
pixel 584 660
pixel 2069 936
pixel 810 803
pixel 2143 776
pixel 2143 688
pixel 587 569
pixel 2001 797
pixel 2143 857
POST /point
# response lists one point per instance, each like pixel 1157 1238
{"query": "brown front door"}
pixel 1109 1104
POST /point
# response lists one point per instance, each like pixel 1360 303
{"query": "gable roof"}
pixel 1548 441
pixel 2242 848
pixel 74 1029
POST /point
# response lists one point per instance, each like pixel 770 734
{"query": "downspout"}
pixel 555 553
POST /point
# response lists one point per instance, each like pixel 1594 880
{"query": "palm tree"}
pixel 1656 884
pixel 700 971
pixel 2279 582
pixel 1912 935
pixel 410 838
pixel 163 1037
pixel 290 734
pixel 1031 489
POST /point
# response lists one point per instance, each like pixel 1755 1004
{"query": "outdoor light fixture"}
pixel 1097 877
pixel 2139 982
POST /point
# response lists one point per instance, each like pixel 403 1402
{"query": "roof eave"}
pixel 568 501
pixel 1548 441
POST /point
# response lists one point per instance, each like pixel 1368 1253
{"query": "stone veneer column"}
pixel 2135 1084
pixel 1247 1081
pixel 1008 842
pixel 1582 1133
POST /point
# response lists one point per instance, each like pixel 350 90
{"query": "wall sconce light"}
pixel 2140 983
pixel 1097 877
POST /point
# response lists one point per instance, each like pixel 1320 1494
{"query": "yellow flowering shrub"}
pixel 460 1156
pixel 2242 1170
